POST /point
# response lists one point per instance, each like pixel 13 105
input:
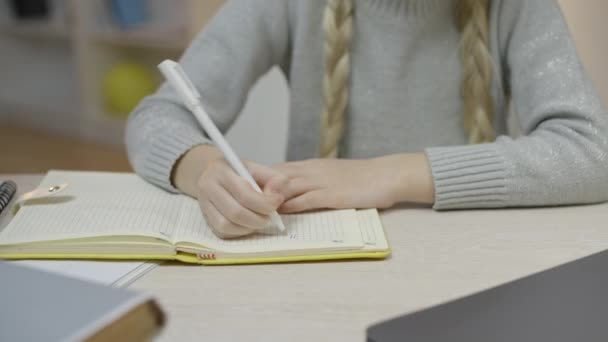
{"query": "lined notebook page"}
pixel 96 204
pixel 328 229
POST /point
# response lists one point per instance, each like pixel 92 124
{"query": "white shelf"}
pixel 34 29
pixel 56 66
pixel 105 129
pixel 154 39
pixel 53 120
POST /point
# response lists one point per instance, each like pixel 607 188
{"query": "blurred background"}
pixel 72 70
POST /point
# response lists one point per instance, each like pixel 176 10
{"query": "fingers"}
pixel 221 226
pixel 294 169
pixel 298 186
pixel 264 175
pixel 302 176
pixel 278 186
pixel 247 197
pixel 316 199
pixel 271 181
pixel 234 211
pixel 233 207
pixel 260 173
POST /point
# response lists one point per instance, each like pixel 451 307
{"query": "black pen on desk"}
pixel 7 191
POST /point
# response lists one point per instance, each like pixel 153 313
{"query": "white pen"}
pixel 182 84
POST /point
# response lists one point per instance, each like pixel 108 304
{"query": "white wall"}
pixel 589 25
pixel 260 132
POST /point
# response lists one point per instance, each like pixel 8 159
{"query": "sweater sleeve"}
pixel 242 42
pixel 562 157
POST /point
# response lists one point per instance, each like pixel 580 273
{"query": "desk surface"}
pixel 436 257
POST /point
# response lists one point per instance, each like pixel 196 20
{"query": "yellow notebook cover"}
pixel 120 216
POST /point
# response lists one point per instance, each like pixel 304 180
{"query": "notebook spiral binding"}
pixel 7 190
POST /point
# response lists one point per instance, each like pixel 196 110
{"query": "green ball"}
pixel 125 85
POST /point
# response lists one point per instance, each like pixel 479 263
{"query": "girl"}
pixel 415 93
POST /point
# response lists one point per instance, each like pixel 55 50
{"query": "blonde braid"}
pixel 472 19
pixel 338 27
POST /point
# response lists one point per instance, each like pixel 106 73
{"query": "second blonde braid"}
pixel 478 112
pixel 472 19
pixel 338 27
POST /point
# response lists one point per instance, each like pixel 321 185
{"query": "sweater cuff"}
pixel 466 177
pixel 165 152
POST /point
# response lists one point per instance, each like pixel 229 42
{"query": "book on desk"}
pixel 40 306
pixel 120 216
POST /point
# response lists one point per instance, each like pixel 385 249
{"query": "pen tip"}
pixel 276 218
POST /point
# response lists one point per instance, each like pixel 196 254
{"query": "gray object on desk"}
pixel 40 306
pixel 7 191
pixel 566 303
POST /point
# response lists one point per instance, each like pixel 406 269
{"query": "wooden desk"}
pixel 436 257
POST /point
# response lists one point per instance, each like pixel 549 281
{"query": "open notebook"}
pixel 120 216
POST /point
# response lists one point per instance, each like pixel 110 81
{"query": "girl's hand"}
pixel 232 208
pixel 341 184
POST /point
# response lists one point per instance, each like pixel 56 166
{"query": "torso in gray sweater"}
pixel 404 96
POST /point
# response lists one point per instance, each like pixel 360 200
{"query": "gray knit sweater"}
pixel 405 97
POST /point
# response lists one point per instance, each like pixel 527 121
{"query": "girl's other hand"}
pixel 344 184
